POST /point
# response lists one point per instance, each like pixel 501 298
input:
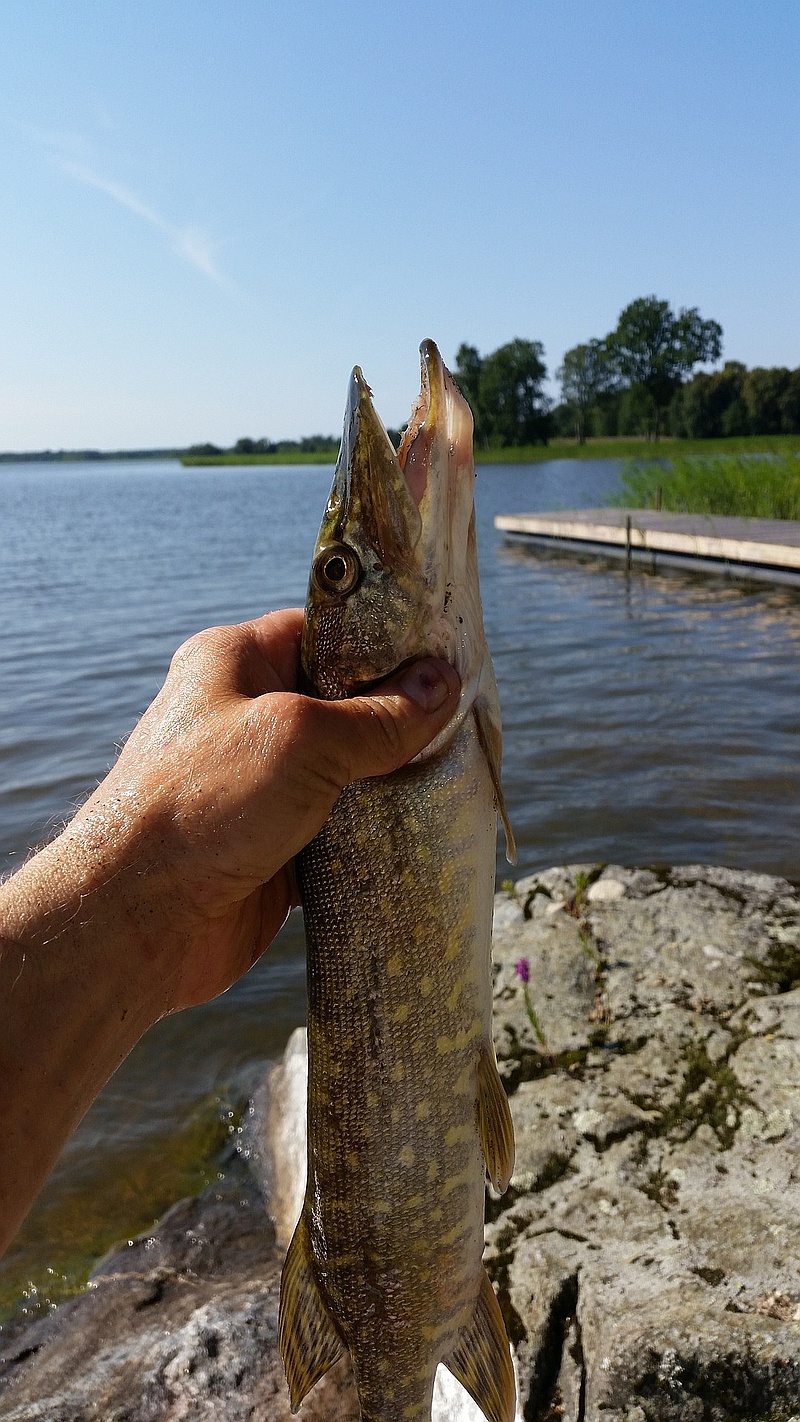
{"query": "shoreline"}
pixel 594 449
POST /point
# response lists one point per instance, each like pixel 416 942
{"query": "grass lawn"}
pixel 316 458
pixel 640 449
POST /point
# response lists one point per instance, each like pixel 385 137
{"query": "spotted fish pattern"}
pixel 406 1111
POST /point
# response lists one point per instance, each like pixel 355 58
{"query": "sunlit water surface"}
pixel 647 719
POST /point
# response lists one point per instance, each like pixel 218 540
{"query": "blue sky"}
pixel 211 211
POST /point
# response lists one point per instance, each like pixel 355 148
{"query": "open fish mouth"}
pixel 395 559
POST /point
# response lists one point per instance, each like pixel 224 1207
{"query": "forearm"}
pixel 75 1000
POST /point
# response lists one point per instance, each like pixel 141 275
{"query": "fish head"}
pixel 395 573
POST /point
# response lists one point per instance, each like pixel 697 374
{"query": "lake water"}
pixel 647 719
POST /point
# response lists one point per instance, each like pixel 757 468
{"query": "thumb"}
pixel 376 734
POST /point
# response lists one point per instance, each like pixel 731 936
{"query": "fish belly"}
pixel 397 893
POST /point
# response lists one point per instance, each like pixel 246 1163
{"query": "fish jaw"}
pixel 436 456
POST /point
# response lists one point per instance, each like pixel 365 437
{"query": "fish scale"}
pixel 405 1107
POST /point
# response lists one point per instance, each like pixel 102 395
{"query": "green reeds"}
pixel 745 486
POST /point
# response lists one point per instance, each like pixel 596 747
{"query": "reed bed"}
pixel 745 486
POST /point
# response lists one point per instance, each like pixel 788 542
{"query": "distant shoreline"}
pixel 85 456
pixel 610 448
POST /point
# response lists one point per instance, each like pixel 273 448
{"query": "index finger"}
pixel 243 658
pixel 276 641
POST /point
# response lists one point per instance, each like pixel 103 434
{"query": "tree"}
pixel 254 446
pixel 635 412
pixel 514 408
pixel 655 349
pixel 790 404
pixel 206 451
pixel 585 373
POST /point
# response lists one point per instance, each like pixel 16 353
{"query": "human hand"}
pixel 227 775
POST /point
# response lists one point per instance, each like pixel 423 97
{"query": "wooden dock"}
pixel 754 548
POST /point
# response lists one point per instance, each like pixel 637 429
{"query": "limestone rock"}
pixel 647 1254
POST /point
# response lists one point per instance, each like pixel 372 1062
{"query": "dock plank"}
pixel 748 546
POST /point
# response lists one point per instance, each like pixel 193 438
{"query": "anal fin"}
pixel 495 1126
pixel 481 1360
pixel 308 1338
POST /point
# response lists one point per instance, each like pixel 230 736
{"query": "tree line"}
pixel 638 380
pixel 627 378
pixel 737 401
pixel 309 444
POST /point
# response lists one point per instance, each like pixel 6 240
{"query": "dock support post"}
pixel 628 543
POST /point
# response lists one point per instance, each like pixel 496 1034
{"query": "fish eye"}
pixel 337 569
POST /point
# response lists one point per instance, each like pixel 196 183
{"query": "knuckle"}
pixel 288 731
pixel 297 735
pixel 195 646
pixel 295 715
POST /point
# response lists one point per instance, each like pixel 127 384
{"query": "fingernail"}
pixel 427 684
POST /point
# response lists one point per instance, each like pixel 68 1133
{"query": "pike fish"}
pixel 406 1110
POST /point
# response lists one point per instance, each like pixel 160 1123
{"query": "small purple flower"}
pixel 524 971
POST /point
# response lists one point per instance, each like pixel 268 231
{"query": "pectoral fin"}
pixel 308 1339
pixel 495 1126
pixel 481 1360
pixel 486 710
